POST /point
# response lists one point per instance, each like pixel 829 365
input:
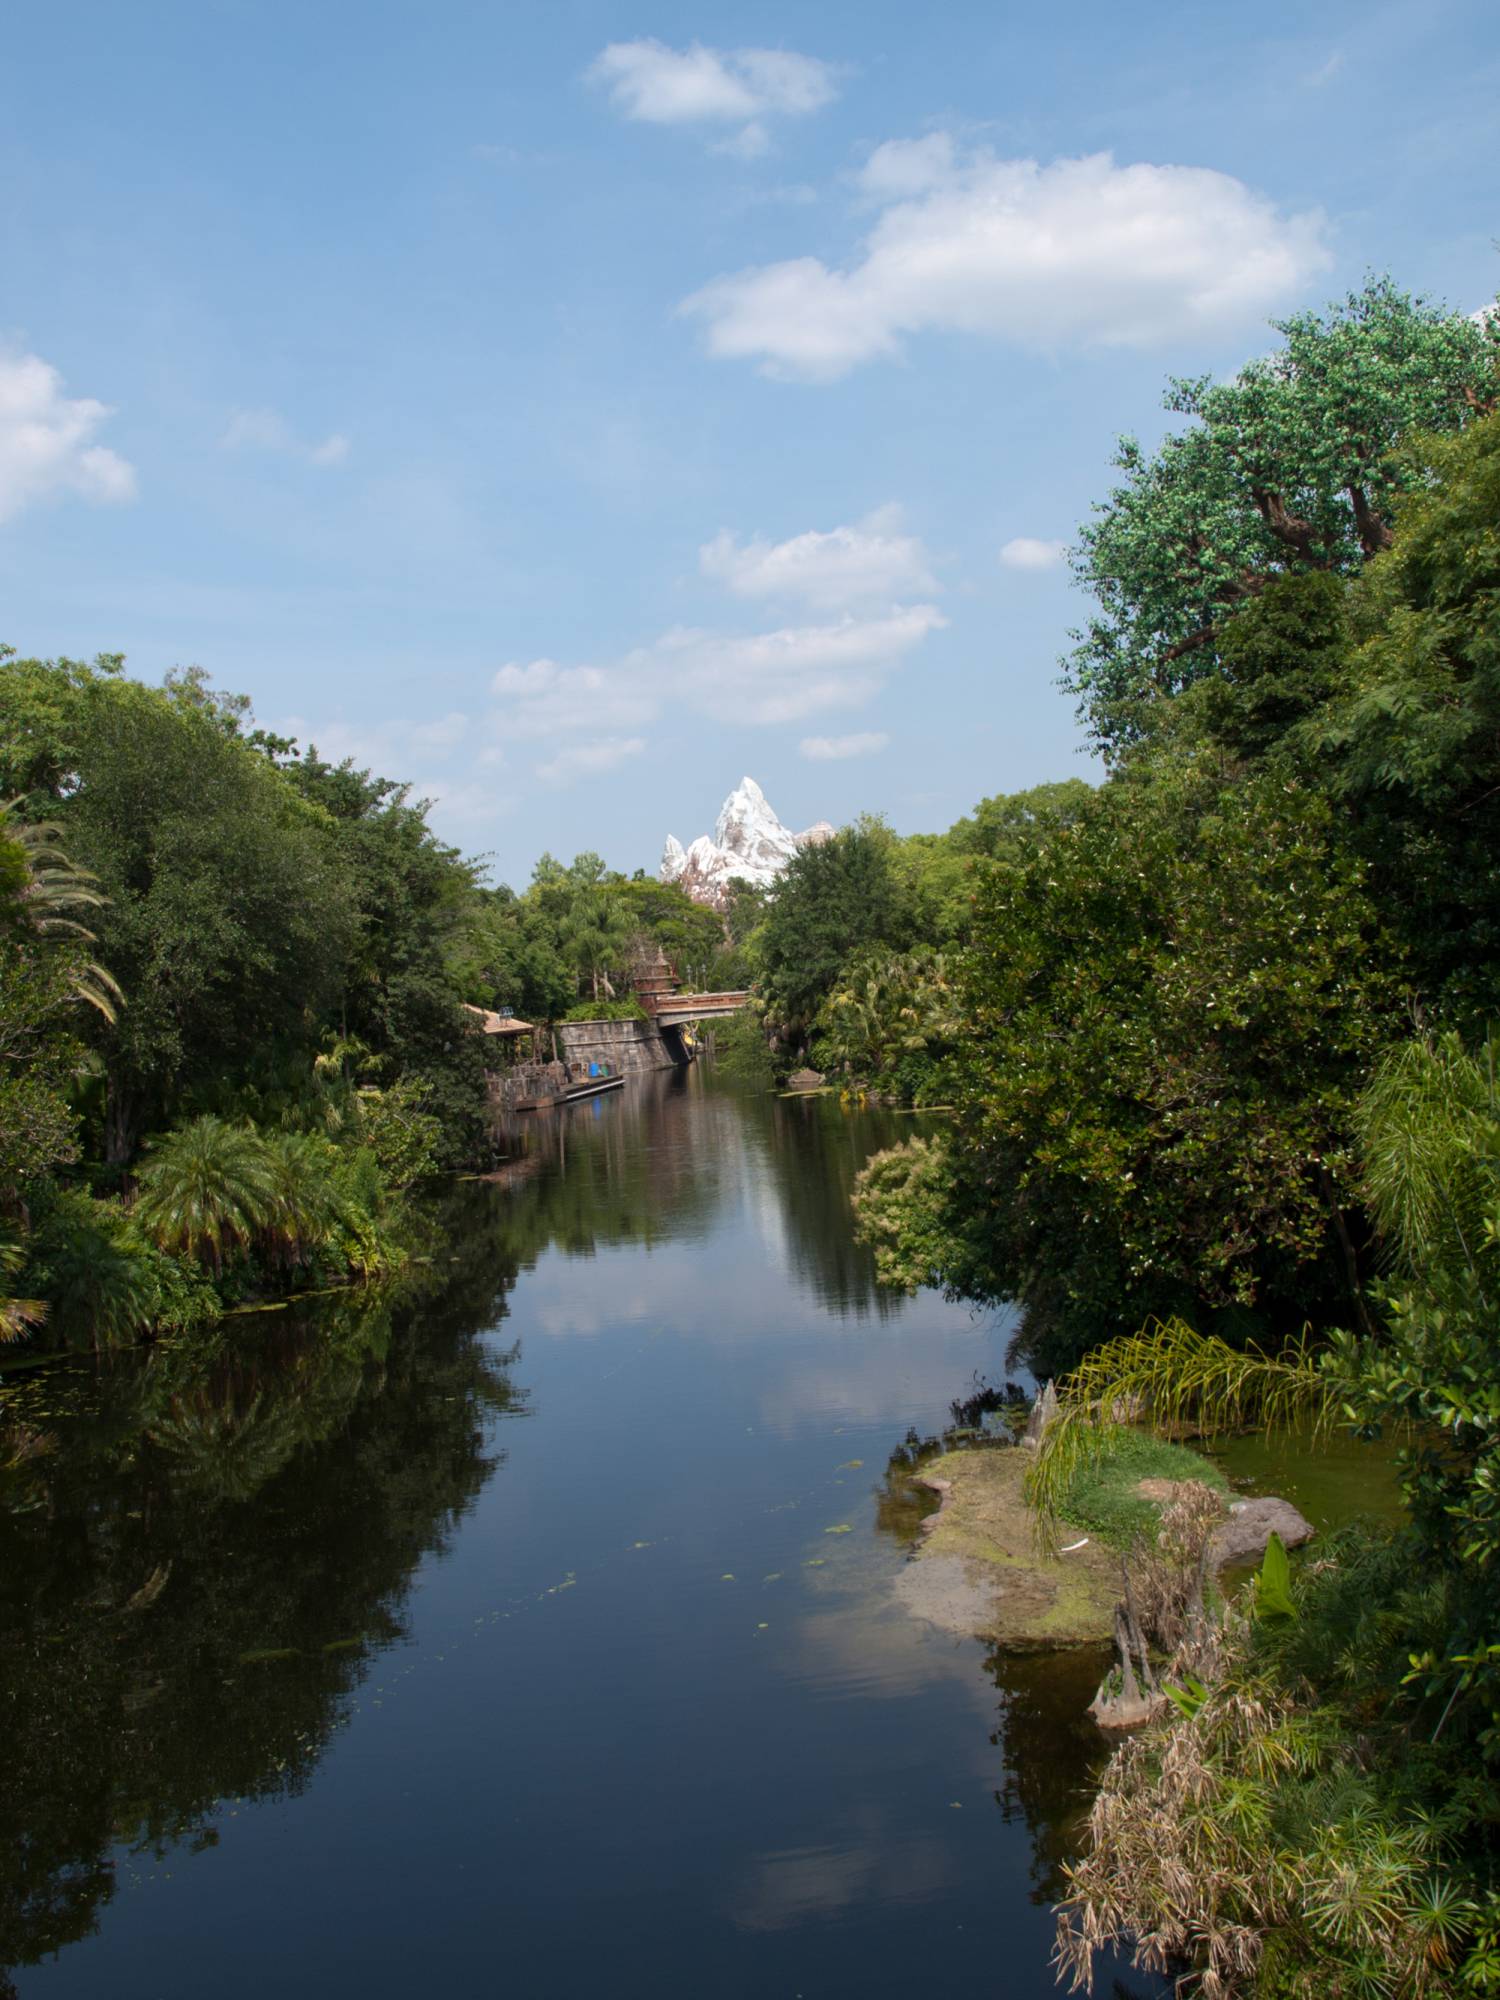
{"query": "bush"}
pixel 104 1281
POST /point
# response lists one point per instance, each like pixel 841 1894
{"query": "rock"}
pixel 1043 1412
pixel 943 1488
pixel 748 843
pixel 1243 1536
pixel 805 1079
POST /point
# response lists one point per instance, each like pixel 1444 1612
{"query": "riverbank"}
pixel 978 1570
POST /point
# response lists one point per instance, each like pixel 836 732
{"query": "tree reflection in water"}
pixel 194 1577
pixel 199 1572
pixel 656 1163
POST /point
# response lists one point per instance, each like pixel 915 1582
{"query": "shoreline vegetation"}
pixel 1212 1041
pixel 236 983
pixel 1216 1036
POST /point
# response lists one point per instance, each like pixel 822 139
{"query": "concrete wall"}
pixel 627 1046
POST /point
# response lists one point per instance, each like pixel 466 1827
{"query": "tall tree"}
pixel 1294 465
pixel 833 899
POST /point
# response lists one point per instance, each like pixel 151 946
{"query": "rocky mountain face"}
pixel 748 842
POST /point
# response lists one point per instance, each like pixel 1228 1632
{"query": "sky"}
pixel 572 408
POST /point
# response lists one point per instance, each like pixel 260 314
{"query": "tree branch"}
pixel 1374 533
pixel 1291 530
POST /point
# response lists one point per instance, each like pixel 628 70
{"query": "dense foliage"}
pixel 1221 1071
pixel 1171 1001
pixel 1293 466
pixel 236 993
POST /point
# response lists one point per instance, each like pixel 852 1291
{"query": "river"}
pixel 538 1637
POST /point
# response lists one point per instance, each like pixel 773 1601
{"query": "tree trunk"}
pixel 122 1120
pixel 1346 1245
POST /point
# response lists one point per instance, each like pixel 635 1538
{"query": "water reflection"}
pixel 282 1599
pixel 662 1161
pixel 193 1578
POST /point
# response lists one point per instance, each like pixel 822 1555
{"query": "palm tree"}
pixel 209 1187
pixel 307 1208
pixel 17 1316
pixel 56 887
pixel 101 1290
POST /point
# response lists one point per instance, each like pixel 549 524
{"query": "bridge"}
pixel 658 989
pixel 680 1010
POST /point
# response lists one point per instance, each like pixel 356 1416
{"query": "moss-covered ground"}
pixel 981 1570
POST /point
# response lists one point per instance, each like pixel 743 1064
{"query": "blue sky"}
pixel 572 407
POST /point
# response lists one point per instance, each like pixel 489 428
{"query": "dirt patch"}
pixel 977 1569
pixel 1160 1490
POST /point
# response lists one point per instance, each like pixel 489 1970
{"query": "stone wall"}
pixel 627 1046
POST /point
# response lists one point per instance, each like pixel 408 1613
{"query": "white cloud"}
pixel 268 430
pixel 1326 71
pixel 788 674
pixel 1080 252
pixel 46 441
pixel 872 562
pixel 757 677
pixel 594 717
pixel 542 699
pixel 833 749
pixel 1026 552
pixel 588 760
pixel 656 85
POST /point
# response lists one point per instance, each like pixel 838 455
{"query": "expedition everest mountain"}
pixel 748 843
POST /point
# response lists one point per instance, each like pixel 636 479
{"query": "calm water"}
pixel 537 1638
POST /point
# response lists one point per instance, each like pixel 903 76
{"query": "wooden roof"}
pixel 498 1024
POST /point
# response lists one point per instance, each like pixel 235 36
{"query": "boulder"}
pixel 1242 1536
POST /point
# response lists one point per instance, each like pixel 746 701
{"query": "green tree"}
pixel 1412 742
pixel 208 1189
pixel 226 913
pixel 416 917
pixel 833 899
pixel 890 1021
pixel 1295 465
pixel 1167 1015
pixel 53 889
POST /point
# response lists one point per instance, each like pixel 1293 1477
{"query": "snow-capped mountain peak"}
pixel 749 843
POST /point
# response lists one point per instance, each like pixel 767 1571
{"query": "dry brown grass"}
pixel 1234 1838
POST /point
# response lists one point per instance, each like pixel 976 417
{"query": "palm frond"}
pixel 17 1316
pixel 1168 1377
pixel 1429 1129
pixel 56 886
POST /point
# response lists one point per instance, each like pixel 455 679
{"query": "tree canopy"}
pixel 1296 464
